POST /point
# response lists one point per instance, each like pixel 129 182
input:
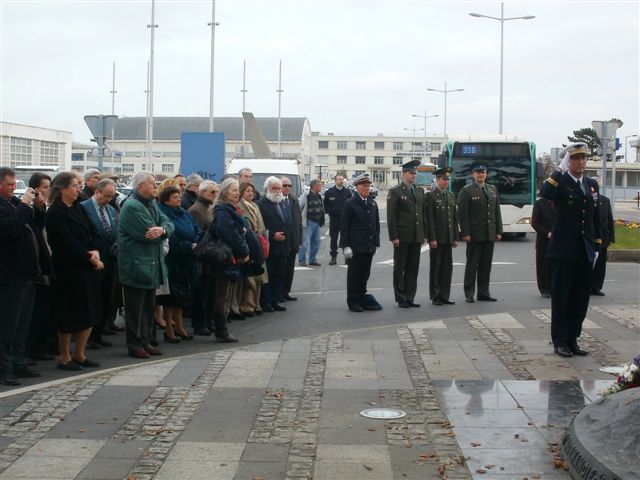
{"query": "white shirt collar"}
pixel 575 178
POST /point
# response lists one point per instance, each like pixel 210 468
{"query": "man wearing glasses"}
pixel 293 215
pixel 441 224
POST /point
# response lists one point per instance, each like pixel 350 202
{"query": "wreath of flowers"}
pixel 629 377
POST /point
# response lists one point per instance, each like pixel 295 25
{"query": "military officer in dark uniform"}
pixel 441 221
pixel 480 226
pixel 359 239
pixel 405 222
pixel 334 200
pixel 573 247
pixel 608 234
pixel 542 218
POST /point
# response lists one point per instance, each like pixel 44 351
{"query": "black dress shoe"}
pixel 576 350
pixel 289 298
pixel 545 295
pixel 437 301
pixel 267 309
pixel 356 308
pixel 104 343
pixel 413 304
pixel 333 260
pixel 597 292
pixel 236 316
pixel 9 380
pixel 25 372
pixel 563 351
pixel 259 312
pixel 469 300
pixel 185 337
pixel 93 345
pixel 70 366
pixel 279 308
pixel 152 350
pixel 448 302
pixel 486 298
pixel 226 338
pixel 404 305
pixel 203 332
pixel 315 264
pixel 249 314
pixel 169 339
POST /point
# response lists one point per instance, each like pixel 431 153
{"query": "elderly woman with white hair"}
pixel 228 225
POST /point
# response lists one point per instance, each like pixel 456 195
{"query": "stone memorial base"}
pixel 603 441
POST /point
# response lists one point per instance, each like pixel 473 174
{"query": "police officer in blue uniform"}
pixel 573 247
pixel 359 239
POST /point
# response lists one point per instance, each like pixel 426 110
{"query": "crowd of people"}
pixel 73 255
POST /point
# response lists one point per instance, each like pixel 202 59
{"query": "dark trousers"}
pixel 479 258
pixel 440 271
pixel 272 291
pixel 358 271
pixel 600 270
pixel 291 268
pixel 16 308
pixel 223 287
pixel 139 305
pixel 570 288
pixel 43 337
pixel 542 270
pixel 334 233
pixel 203 302
pixel 406 262
pixel 111 300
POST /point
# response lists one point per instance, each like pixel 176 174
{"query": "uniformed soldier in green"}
pixel 441 221
pixel 405 222
pixel 480 226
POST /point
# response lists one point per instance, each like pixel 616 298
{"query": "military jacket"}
pixel 576 229
pixel 405 214
pixel 360 225
pixel 441 217
pixel 479 215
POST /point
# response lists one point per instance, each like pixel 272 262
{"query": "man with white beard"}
pixel 280 237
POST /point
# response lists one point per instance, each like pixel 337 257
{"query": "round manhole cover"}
pixel 383 413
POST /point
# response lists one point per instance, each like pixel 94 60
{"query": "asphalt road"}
pixel 322 308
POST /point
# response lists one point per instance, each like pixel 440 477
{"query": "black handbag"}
pixel 213 251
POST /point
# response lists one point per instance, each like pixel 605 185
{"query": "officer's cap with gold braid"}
pixel 576 148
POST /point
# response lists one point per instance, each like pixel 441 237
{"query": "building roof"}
pixel 170 128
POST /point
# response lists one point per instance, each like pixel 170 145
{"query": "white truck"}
pixel 266 167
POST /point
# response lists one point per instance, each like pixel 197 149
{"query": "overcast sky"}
pixel 359 67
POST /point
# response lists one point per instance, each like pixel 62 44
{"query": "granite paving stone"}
pixel 185 373
pixel 106 469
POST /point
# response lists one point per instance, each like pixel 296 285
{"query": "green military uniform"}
pixel 441 220
pixel 405 222
pixel 480 217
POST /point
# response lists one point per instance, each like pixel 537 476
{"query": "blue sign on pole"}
pixel 202 153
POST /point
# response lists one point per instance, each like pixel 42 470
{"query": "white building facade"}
pixel 381 156
pixel 26 146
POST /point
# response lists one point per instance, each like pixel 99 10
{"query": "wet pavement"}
pixel 484 397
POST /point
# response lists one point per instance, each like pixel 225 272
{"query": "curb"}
pixel 623 255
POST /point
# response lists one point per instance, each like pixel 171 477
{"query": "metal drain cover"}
pixel 383 413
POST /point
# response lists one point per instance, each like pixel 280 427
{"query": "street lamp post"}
pixel 445 91
pixel 502 19
pixel 425 116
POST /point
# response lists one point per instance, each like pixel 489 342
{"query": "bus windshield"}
pixel 424 178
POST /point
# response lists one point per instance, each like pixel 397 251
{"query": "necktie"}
pixel 484 190
pixel 103 219
pixel 279 209
pixel 413 191
pixel 582 187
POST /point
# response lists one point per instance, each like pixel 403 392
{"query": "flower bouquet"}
pixel 628 376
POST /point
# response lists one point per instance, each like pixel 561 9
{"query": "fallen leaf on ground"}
pixel 367 467
pixel 475 444
pixel 481 470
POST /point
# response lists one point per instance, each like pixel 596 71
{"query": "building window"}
pixel 619 178
pixel 48 153
pixel 416 145
pixel 632 179
pixel 361 145
pixel 20 151
pixel 378 145
pixel 342 160
pixel 323 144
pixel 361 160
pixel 167 168
pixel 417 158
pixel 378 160
pixel 127 167
pixel 396 175
pixel 342 145
pixel 435 146
pixel 397 160
pixel 358 172
pixel 397 146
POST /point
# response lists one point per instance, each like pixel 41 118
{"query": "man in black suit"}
pixel 608 234
pixel 291 208
pixel 20 269
pixel 542 218
pixel 573 247
pixel 91 179
pixel 279 244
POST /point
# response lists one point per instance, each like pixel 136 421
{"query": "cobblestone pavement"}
pixel 484 397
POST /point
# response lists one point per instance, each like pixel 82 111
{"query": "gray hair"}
pixel 140 177
pixel 90 173
pixel 105 182
pixel 193 179
pixel 225 186
pixel 271 181
pixel 205 185
pixel 245 169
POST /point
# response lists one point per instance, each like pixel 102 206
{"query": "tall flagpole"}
pixel 213 25
pixel 244 93
pixel 279 108
pixel 113 109
pixel 153 27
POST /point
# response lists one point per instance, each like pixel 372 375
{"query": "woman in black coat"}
pixel 76 292
pixel 229 225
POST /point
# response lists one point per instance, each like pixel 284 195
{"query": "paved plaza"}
pixel 484 398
